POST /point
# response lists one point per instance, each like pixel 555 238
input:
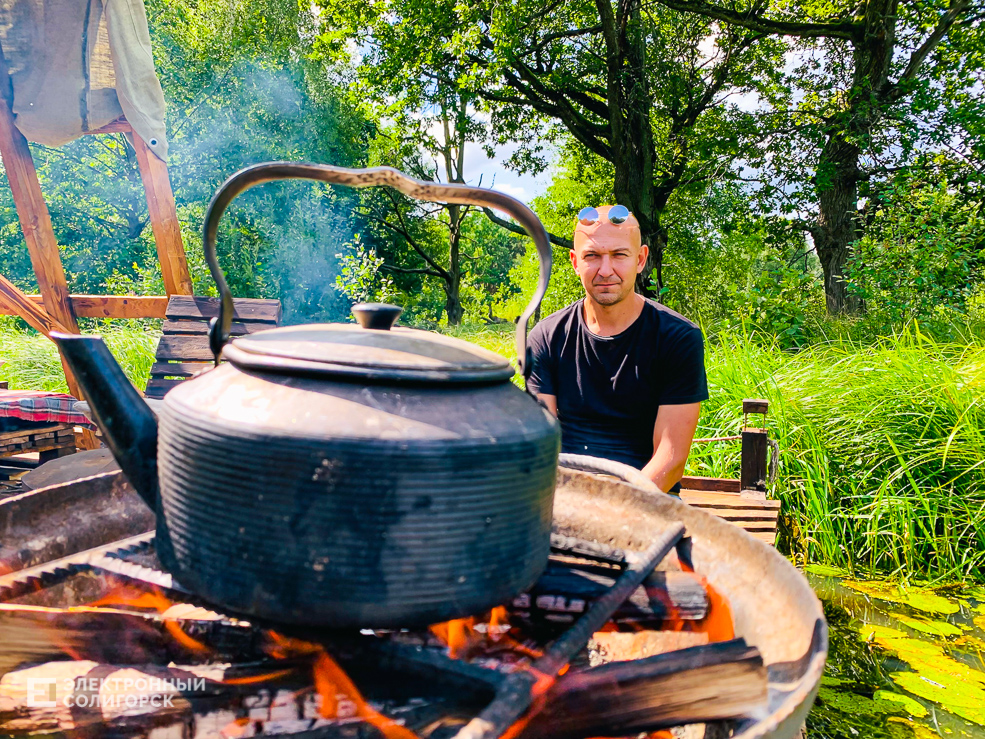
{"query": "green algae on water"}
pixel 921 599
pixel 934 628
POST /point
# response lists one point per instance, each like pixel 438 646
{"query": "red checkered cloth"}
pixel 41 407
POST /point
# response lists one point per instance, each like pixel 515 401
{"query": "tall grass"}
pixel 30 362
pixel 882 447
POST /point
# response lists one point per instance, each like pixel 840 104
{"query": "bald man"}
pixel 624 375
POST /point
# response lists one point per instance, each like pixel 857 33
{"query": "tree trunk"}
pixel 650 281
pixel 453 284
pixel 838 173
pixel 630 103
pixel 837 190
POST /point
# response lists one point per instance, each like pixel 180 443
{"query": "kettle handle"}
pixel 429 191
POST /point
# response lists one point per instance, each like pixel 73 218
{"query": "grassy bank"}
pixel 882 464
pixel 30 362
pixel 882 461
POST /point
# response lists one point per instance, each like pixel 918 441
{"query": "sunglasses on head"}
pixel 617 214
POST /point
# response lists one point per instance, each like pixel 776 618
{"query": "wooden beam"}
pixel 120 125
pixel 14 302
pixel 107 306
pixel 752 475
pixel 164 220
pixel 711 484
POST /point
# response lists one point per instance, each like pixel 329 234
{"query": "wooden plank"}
pixel 120 125
pixel 202 327
pixel 108 306
pixel 755 405
pixel 752 475
pixel 763 516
pixel 184 348
pixel 54 428
pixel 246 309
pixel 179 369
pixel 725 500
pixel 719 484
pixel 163 219
pixel 157 388
pixel 19 304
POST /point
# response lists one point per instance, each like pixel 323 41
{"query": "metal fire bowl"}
pixel 773 606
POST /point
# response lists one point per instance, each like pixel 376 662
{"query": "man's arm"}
pixel 549 401
pixel 672 436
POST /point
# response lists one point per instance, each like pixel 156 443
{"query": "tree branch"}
pixel 752 20
pixel 404 271
pixel 510 226
pixel 919 56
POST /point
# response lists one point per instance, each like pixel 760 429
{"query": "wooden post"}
pixel 163 219
pixel 36 224
pixel 752 474
pixel 32 211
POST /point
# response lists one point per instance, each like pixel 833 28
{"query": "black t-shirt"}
pixel 609 388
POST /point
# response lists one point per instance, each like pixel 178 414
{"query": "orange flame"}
pixel 331 681
pixel 463 636
pixel 153 600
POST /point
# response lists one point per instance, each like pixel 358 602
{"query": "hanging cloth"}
pixel 77 65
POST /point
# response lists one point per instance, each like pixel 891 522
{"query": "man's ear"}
pixel 641 259
pixel 574 259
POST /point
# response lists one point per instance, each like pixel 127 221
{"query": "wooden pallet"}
pixel 749 509
pixel 52 442
pixel 742 502
pixel 183 350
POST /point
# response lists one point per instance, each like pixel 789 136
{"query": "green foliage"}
pixel 920 256
pixel 360 279
pixel 782 306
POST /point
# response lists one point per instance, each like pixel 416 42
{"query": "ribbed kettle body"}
pixel 338 504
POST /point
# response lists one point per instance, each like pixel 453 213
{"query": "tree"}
pixel 873 76
pixel 640 86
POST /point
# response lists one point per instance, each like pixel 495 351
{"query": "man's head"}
pixel 607 256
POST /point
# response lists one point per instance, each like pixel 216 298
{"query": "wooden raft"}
pixel 742 502
pixel 183 350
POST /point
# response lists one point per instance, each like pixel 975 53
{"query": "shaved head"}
pixel 607 257
pixel 628 230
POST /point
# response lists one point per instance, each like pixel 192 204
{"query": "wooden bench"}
pixel 742 502
pixel 183 350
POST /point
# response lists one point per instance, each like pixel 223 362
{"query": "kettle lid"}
pixel 370 351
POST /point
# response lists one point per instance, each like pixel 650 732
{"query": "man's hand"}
pixel 672 436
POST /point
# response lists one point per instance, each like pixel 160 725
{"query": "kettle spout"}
pixel 125 419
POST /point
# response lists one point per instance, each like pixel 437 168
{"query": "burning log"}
pixel 520 688
pixel 705 683
pixel 564 592
pixel 36 633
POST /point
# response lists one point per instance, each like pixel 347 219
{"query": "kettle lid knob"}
pixel 379 316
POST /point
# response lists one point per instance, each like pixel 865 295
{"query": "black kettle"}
pixel 341 475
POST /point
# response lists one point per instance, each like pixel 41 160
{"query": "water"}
pixel 903 663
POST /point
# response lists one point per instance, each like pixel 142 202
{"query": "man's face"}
pixel 607 257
